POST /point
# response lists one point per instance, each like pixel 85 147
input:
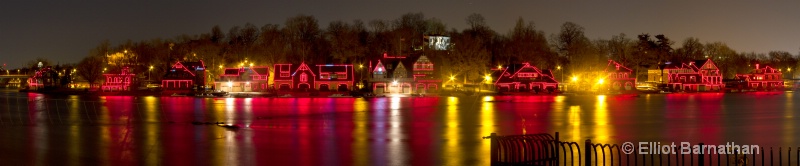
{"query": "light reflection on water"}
pixel 355 131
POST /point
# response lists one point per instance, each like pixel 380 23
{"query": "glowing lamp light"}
pixel 360 66
pixel 499 66
pixel 574 78
pixel 487 77
pixel 558 67
pixel 251 64
pixel 394 82
pixel 230 84
pixel 600 81
pixel 452 78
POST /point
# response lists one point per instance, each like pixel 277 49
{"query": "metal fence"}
pixel 544 149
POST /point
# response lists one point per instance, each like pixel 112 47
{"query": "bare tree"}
pixel 90 69
pixel 303 33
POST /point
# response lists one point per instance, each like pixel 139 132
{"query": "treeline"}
pixel 473 51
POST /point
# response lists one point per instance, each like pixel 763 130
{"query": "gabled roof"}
pixel 260 70
pixel 304 68
pixel 614 66
pixel 507 76
pixel 232 72
pixel 185 67
pixel 379 67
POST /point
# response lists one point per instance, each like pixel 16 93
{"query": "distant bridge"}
pixel 13 80
pixel 14 76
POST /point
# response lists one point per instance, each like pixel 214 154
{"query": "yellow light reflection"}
pixel 74 137
pixel 152 132
pixel 105 131
pixel 452 149
pixel 788 120
pixel 602 123
pixel 360 133
pixel 396 147
pixel 487 126
pixel 575 122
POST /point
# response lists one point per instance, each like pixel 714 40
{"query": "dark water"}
pixel 70 130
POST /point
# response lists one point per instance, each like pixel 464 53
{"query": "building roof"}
pixel 184 70
pixel 511 73
pixel 335 68
pixel 283 68
pixel 260 70
pixel 615 66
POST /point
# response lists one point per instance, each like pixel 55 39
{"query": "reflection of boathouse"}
pixel 525 78
pixel 761 79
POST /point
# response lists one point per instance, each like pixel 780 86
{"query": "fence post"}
pixel 587 148
pixel 701 158
pixel 493 149
pixel 555 145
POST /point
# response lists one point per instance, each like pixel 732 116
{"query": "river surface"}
pixel 38 129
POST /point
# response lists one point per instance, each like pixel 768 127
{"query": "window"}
pixel 284 74
pixel 303 77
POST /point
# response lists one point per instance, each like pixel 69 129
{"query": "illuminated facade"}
pixel 701 75
pixel 244 79
pixel 334 77
pixel 762 78
pixel 43 78
pixel 118 82
pixel 619 77
pixel 525 78
pixel 403 75
pixel 185 76
pixel 289 77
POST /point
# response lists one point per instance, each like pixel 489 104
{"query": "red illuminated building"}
pixel 294 77
pixel 185 76
pixel 43 78
pixel 761 78
pixel 700 75
pixel 334 77
pixel 620 78
pixel 525 78
pixel 244 79
pixel 119 81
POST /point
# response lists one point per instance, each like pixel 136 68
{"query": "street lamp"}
pixel 149 71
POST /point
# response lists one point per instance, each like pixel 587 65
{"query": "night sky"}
pixel 65 31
